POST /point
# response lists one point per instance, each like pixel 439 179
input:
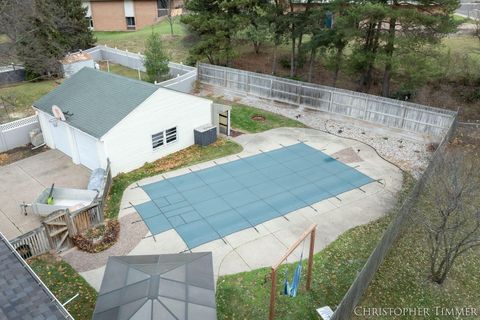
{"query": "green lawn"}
pixel 461 19
pixel 65 282
pixel 122 71
pixel 4 38
pixel 186 157
pixel 246 295
pixel 241 118
pixel 176 46
pixel 463 44
pixel 21 96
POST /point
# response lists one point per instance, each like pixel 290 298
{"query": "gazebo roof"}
pixel 167 286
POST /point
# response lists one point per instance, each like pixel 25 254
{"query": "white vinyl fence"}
pixel 16 133
pixel 183 76
pixel 386 112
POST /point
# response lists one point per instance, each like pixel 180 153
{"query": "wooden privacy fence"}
pixel 384 111
pixel 56 231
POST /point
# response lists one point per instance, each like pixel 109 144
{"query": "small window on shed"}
pixel 130 23
pixel 171 135
pixel 157 140
pixel 165 137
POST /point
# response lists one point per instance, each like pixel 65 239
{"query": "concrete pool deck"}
pixel 251 249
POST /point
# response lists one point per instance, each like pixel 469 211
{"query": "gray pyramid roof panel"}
pixel 170 286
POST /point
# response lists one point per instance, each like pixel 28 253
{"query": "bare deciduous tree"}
pixel 476 19
pixel 450 212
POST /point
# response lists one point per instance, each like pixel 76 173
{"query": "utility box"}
pixel 205 135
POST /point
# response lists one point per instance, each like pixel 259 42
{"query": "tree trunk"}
pixel 292 57
pixel 371 62
pixel 366 49
pixel 274 62
pixel 256 46
pixel 299 44
pixel 171 25
pixel 311 64
pixel 387 73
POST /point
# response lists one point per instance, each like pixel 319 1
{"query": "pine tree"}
pixel 156 61
pixel 217 23
pixel 38 48
pixel 48 32
pixel 73 26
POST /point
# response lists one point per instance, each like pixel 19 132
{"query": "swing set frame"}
pixel 310 231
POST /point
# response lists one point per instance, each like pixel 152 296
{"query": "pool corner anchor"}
pixel 136 186
pixel 150 236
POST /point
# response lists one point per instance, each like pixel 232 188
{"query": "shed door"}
pixel 60 137
pixel 87 150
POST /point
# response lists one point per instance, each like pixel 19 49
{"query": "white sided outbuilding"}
pixel 129 122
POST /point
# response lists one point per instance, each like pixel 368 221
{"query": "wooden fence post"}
pixel 330 105
pixel 310 259
pixel 273 290
pixel 72 230
pixel 366 109
pixel 299 95
pixel 271 87
pixel 49 238
pixel 403 115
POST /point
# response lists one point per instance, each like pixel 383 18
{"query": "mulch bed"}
pixel 235 133
pixel 99 238
pixel 19 153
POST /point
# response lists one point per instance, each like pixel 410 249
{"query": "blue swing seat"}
pixel 291 289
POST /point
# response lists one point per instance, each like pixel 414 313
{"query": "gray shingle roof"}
pixel 22 296
pixel 98 100
pixel 167 286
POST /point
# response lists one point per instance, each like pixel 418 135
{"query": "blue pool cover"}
pixel 212 203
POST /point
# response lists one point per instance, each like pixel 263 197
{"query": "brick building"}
pixel 123 15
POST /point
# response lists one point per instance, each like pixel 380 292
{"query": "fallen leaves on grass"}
pixel 3 159
pixel 65 282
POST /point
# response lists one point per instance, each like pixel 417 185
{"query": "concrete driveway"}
pixel 25 179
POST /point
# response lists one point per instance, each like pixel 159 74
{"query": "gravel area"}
pixel 130 236
pixel 410 155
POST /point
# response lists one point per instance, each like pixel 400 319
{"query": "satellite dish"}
pixel 58 113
